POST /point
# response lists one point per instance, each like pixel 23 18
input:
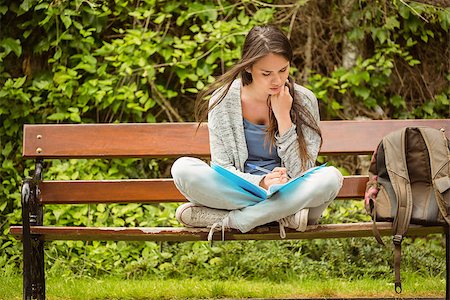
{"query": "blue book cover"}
pixel 256 190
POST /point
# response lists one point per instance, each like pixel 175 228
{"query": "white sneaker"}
pixel 195 215
pixel 297 221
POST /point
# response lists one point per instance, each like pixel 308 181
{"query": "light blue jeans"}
pixel 200 184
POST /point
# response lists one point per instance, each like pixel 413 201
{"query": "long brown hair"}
pixel 259 42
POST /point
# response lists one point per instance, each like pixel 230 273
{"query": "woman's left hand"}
pixel 281 104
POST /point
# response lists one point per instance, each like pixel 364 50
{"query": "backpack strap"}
pixel 376 232
pixel 394 147
pixel 372 188
pixel 439 152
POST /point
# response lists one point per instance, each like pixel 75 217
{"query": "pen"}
pixel 267 171
pixel 259 168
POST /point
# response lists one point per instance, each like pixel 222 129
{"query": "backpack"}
pixel 409 182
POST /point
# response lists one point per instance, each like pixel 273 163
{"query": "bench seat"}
pixel 363 229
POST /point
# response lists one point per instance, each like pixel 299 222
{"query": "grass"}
pixel 114 288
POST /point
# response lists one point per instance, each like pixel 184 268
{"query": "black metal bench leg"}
pixel 37 269
pixel 33 246
pixel 27 251
pixel 33 270
pixel 33 260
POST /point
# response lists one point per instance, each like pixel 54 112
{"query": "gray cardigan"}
pixel 227 139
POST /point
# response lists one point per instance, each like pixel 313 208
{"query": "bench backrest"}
pixel 174 140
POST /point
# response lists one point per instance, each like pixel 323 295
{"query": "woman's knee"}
pixel 183 168
pixel 327 184
pixel 337 178
pixel 332 181
pixel 189 171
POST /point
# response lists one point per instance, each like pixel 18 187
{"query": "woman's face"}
pixel 270 73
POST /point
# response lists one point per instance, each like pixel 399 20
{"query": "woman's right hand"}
pixel 281 105
pixel 277 176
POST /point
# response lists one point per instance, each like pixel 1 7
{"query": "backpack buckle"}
pixel 397 239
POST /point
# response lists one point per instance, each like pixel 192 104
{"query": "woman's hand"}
pixel 281 104
pixel 277 176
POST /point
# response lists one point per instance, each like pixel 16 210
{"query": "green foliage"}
pixel 93 61
pixel 144 61
pixel 371 86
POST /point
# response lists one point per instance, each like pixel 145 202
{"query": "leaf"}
pixel 404 11
pixel 414 62
pixel 10 44
pixel 73 109
pixel 181 18
pixel 75 117
pixel 86 66
pixel 382 36
pixel 443 99
pixel 200 85
pixel 160 19
pixel 57 117
pixel 192 76
pixel 336 105
pixel 192 90
pixel 66 20
pixel 194 28
pixel 57 213
pixel 356 34
pixel 90 59
pixel 243 18
pixel 398 101
pixel 428 108
pixel 8 243
pixel 26 4
pixel 413 24
pixel 444 18
pixel 365 76
pixel 361 91
pixel 410 42
pixel 391 23
pixel 263 15
pixel 7 149
pixel 3 9
pixel 150 118
pixel 19 82
pixel 41 6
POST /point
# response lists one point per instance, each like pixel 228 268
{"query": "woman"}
pixel 257 116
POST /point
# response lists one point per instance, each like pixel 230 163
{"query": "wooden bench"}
pixel 167 140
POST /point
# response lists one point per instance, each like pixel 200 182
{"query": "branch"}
pixel 164 103
pixel 291 24
pixel 275 5
pixel 414 11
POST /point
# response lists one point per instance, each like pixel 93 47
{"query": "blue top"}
pixel 260 153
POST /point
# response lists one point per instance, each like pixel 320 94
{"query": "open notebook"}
pixel 256 190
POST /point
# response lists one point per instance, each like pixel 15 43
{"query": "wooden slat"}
pixel 109 191
pixel 144 190
pixel 353 187
pixel 362 137
pixel 181 139
pixel 115 140
pixel 200 234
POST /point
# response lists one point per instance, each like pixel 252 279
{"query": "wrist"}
pixel 284 124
